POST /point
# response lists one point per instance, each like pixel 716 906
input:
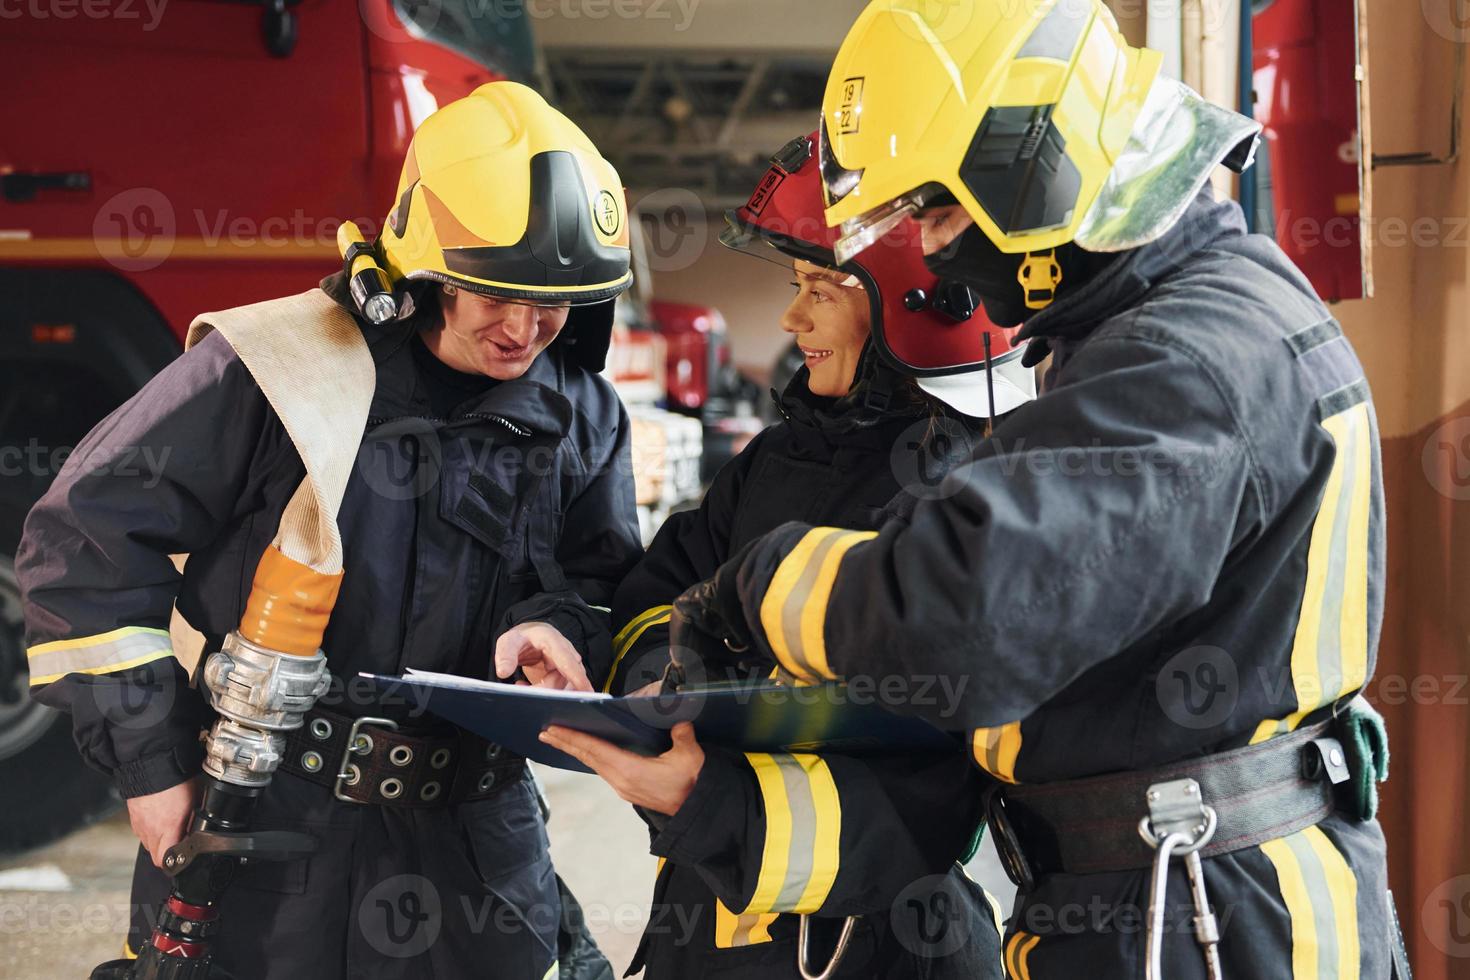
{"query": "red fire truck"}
pixel 157 162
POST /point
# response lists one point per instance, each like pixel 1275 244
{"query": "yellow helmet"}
pixel 1038 117
pixel 503 195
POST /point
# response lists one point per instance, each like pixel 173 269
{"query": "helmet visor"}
pixel 1177 142
pixel 861 233
pixel 777 249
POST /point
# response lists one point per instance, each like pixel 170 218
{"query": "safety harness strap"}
pixel 1090 826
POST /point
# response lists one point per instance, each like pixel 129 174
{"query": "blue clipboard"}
pixel 755 717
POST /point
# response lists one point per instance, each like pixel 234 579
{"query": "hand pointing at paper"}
pixel 543 655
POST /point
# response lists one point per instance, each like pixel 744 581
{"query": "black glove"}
pixel 708 626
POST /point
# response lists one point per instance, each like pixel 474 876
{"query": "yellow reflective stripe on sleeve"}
pixel 732 931
pixel 794 611
pixel 777 844
pixel 1342 888
pixel 1018 955
pixel 1329 653
pixel 801 853
pixel 119 649
pixel 629 635
pixel 996 749
pixel 773 606
pixel 813 621
pixel 128 953
pixel 1320 892
pixel 552 971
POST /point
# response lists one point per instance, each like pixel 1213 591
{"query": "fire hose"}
pixel 310 360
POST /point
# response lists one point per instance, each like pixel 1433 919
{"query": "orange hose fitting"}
pixel 289 605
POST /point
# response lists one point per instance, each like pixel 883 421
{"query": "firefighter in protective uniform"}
pixel 491 509
pixel 772 856
pixel 1163 579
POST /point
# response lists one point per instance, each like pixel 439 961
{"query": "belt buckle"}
pixel 348 773
pixel 1008 845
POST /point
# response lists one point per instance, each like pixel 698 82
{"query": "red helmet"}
pixel 928 329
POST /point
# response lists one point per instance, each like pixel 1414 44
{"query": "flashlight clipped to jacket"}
pixel 366 280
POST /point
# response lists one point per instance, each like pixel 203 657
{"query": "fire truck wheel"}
pixel 38 762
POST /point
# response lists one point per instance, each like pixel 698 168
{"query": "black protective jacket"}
pixel 518 507
pixel 1176 550
pixel 766 835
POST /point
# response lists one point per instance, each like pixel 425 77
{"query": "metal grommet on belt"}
pixel 439 759
pixel 311 761
pixel 391 788
pixel 487 780
pixel 361 744
pixel 430 792
pixel 321 729
pixel 492 752
pixel 400 755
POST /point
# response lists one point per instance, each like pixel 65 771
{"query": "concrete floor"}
pixel 64 908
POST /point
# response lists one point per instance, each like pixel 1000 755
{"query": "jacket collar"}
pixel 820 424
pixel 1205 224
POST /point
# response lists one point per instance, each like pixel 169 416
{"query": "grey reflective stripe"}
pixel 1321 898
pixel 992 750
pixel 1329 630
pixel 743 926
pixel 797 597
pixel 803 831
pixel 116 650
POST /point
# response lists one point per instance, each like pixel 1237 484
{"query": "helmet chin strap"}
pixel 1015 287
pixel 1040 274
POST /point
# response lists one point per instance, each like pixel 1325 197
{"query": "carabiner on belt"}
pixel 1179 824
pixel 836 959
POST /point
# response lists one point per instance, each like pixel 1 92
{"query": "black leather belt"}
pixel 1091 826
pixel 370 760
